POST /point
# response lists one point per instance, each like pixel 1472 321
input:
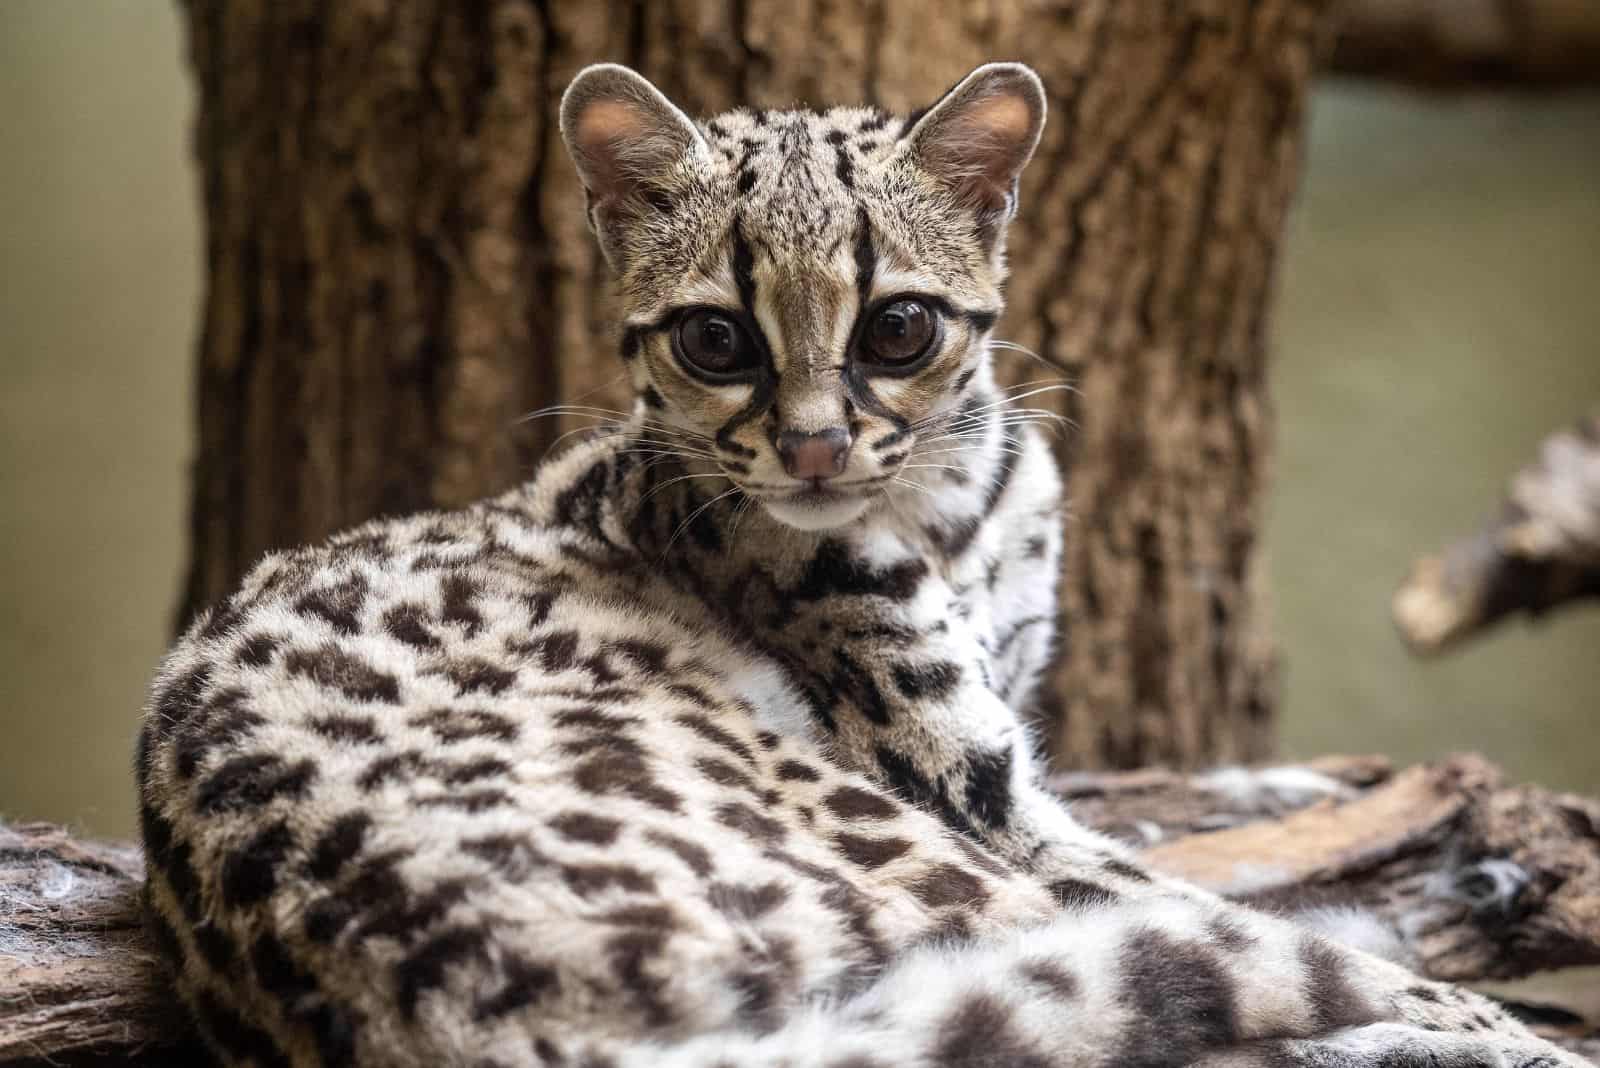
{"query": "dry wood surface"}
pixel 1480 880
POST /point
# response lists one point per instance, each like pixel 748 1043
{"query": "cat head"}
pixel 804 293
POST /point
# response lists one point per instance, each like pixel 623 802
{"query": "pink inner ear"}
pixel 979 147
pixel 606 122
pixel 623 143
pixel 1003 118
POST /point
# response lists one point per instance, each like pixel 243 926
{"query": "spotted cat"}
pixel 702 748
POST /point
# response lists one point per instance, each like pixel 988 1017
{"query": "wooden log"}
pixel 1154 805
pixel 78 979
pixel 1479 880
pixel 1542 550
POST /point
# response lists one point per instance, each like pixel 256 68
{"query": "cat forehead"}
pixel 801 187
pixel 786 144
pixel 802 178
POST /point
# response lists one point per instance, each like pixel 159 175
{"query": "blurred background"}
pixel 1438 317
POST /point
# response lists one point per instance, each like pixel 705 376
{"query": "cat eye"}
pixel 899 333
pixel 714 344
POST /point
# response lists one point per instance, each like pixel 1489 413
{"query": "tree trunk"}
pixel 399 268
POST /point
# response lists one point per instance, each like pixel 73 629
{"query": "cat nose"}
pixel 814 455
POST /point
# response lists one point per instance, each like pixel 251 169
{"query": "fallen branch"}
pixel 1450 44
pixel 1479 880
pixel 77 977
pixel 1543 550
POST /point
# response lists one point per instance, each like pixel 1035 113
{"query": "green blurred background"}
pixel 1439 313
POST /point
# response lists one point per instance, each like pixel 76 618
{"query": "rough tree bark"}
pixel 399 269
pixel 1480 880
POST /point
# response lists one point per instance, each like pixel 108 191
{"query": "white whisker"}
pixel 680 478
pixel 685 524
pixel 738 515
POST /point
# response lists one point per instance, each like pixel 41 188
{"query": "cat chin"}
pixel 819 515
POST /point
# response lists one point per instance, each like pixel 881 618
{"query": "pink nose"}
pixel 819 455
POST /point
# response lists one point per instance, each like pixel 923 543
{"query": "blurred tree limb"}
pixel 1478 878
pixel 1468 43
pixel 1542 550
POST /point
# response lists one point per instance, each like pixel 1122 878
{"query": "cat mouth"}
pixel 817 490
pixel 824 493
pixel 817 505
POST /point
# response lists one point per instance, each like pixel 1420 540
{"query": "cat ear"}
pixel 623 134
pixel 977 138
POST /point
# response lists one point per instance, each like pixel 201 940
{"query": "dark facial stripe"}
pixel 765 386
pixel 982 319
pixel 843 168
pixel 747 170
pixel 861 393
pixel 744 267
pixel 866 258
pixel 763 389
pixel 632 339
pixel 888 441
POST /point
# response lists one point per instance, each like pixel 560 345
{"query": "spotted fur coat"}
pixel 705 746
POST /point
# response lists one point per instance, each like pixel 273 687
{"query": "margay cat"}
pixel 702 748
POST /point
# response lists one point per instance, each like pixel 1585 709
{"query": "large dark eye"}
pixel 900 333
pixel 715 344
